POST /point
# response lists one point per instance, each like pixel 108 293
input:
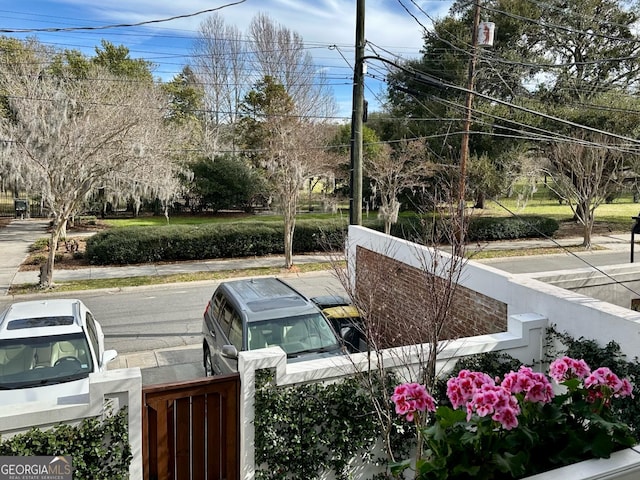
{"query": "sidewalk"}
pixel 125 271
pixel 186 362
pixel 16 238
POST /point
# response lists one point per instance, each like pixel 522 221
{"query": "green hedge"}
pixel 132 245
pixel 99 449
pixel 510 228
pixel 479 228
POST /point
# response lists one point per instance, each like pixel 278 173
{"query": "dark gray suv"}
pixel 263 312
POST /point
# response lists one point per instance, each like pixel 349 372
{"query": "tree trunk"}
pixel 46 272
pixel 387 226
pixel 586 232
pixel 289 227
pixel 62 231
pixel 582 213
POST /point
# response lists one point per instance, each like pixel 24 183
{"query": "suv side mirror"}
pixel 229 351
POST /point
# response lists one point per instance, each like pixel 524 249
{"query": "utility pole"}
pixel 464 148
pixel 355 200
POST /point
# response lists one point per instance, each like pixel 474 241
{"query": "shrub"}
pixel 305 430
pixel 41 244
pixel 225 182
pixel 99 448
pixel 37 259
pixel 419 228
pixel 132 245
pixel 85 220
pixel 507 228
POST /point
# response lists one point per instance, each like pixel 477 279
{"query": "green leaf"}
pixel 510 463
pixel 602 445
pixel 446 416
pixel 398 467
pixel 572 384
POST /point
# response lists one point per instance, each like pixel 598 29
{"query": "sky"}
pixel 326 26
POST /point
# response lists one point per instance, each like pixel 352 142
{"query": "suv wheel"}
pixel 206 361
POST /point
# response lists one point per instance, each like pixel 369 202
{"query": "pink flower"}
pixel 603 376
pixel 603 384
pixel 508 418
pixel 535 385
pixel 626 390
pixel 566 367
pixel 460 389
pixel 497 401
pixel 410 398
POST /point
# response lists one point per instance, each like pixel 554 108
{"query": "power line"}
pixel 435 82
pixel 117 25
pixel 568 251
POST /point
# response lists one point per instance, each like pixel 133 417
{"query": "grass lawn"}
pixel 617 214
pixel 146 221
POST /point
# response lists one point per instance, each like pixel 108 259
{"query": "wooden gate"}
pixel 190 430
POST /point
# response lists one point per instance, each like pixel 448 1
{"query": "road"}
pixel 150 318
pixel 561 261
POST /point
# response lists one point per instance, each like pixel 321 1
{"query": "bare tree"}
pixel 285 99
pixel 68 137
pixel 284 146
pixel 585 173
pixel 281 54
pixel 392 171
pixel 220 61
pixel 422 323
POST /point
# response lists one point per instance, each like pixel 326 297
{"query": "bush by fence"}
pixel 100 448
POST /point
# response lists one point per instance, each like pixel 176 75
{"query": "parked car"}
pixel 48 348
pixel 263 312
pixel 345 319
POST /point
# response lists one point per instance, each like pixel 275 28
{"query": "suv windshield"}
pixel 37 361
pixel 296 335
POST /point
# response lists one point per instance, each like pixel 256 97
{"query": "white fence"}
pixel 577 314
pixel 112 389
pixel 523 340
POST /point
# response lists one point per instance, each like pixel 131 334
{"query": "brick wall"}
pixel 404 303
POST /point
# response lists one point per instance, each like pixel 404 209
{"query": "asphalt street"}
pixel 615 254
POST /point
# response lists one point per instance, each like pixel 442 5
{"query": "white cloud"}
pixel 321 23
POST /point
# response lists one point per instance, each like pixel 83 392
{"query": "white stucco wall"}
pixel 616 284
pixel 577 314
